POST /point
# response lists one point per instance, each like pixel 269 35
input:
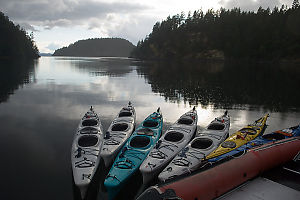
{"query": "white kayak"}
pixel 176 137
pixel 190 158
pixel 117 134
pixel 85 153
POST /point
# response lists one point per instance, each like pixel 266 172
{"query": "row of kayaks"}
pixel 179 151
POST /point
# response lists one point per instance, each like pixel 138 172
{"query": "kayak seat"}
pixel 186 121
pixel 202 143
pixel 88 130
pixel 125 114
pixel 87 140
pixel 89 122
pixel 173 136
pixel 139 141
pixel 150 123
pixel 119 127
pixel 216 127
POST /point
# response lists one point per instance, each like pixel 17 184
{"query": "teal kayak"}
pixel 133 153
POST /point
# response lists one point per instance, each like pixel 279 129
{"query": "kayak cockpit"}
pixel 89 122
pixel 88 140
pixel 185 121
pixel 139 141
pixel 216 126
pixel 119 127
pixel 173 136
pixel 125 114
pixel 150 123
pixel 202 143
pixel 249 131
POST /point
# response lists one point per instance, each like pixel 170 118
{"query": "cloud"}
pixel 27 26
pixel 53 46
pixel 253 5
pixel 50 13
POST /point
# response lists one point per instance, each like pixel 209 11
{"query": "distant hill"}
pixel 97 47
pixel 45 54
pixel 15 43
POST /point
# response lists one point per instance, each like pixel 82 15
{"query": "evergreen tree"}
pixel 295 4
pixel 262 35
pixel 15 42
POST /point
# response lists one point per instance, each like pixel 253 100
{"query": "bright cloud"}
pixel 254 4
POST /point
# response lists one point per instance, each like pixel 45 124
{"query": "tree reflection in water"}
pixel 227 84
pixel 14 74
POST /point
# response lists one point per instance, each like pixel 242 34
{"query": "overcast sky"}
pixel 57 23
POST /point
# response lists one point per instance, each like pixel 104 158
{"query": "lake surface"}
pixel 41 104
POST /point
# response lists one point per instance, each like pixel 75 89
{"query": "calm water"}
pixel 41 104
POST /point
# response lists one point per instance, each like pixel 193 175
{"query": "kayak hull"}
pixel 261 140
pixel 240 137
pixel 190 158
pixel 85 152
pixel 117 134
pixel 133 153
pixel 175 138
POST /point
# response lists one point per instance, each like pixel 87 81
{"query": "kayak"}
pixel 261 140
pixel 190 158
pixel 175 138
pixel 133 153
pixel 117 133
pixel 86 147
pixel 240 137
pixel 216 181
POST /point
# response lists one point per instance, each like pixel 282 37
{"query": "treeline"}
pixel 15 42
pixel 97 47
pixel 262 35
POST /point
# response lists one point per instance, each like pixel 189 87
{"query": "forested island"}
pixel 15 42
pixel 97 47
pixel 225 34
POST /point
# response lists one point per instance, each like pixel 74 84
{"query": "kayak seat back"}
pixel 139 141
pixel 119 127
pixel 173 136
pixel 201 143
pixel 87 140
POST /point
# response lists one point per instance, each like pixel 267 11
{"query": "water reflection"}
pixel 114 67
pixel 14 74
pixel 39 120
pixel 227 85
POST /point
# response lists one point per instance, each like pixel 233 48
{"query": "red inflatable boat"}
pixel 218 180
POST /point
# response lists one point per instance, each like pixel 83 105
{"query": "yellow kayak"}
pixel 240 137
